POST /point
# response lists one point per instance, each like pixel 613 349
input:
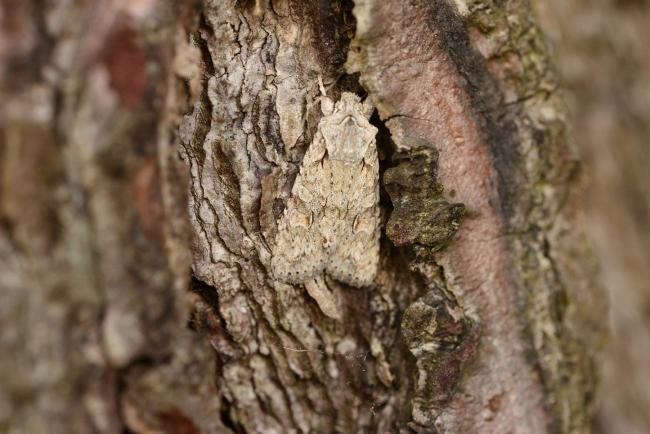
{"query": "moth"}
pixel 331 221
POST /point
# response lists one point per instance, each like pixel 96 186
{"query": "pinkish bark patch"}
pixel 425 100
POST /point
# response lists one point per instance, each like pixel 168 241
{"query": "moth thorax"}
pixel 350 143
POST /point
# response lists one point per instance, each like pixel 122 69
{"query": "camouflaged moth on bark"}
pixel 331 221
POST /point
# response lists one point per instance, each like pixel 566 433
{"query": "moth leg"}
pixel 326 104
pixel 325 298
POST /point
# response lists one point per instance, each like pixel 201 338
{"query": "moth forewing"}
pixel 334 226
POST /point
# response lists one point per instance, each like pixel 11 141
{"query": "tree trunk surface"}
pixel 148 150
pixel 602 49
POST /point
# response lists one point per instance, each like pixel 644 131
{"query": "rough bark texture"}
pixel 483 316
pixel 95 258
pixel 602 50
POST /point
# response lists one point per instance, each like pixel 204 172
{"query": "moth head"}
pixel 346 131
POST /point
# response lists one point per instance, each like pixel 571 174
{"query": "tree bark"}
pixel 148 151
pixel 611 120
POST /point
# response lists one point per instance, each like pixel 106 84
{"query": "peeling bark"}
pixel 159 136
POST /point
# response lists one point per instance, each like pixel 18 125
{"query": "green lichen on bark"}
pixel 443 340
pixel 516 43
pixel 421 218
pixel 435 329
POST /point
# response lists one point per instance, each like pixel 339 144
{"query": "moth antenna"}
pixel 326 104
pixel 321 86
